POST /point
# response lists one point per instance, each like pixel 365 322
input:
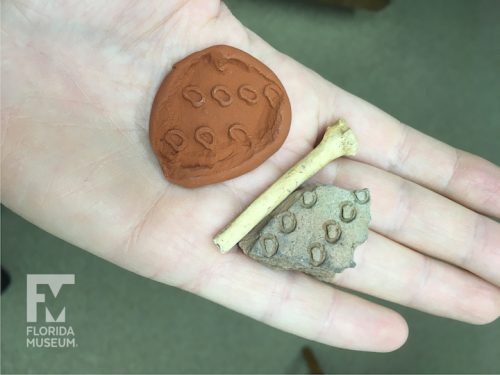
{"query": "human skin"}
pixel 79 79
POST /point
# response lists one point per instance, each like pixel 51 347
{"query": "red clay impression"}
pixel 217 115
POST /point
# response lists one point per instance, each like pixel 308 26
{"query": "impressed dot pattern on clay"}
pixel 218 114
pixel 315 230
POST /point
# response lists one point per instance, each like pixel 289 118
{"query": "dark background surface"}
pixel 433 64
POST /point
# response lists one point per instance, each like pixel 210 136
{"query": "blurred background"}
pixel 433 64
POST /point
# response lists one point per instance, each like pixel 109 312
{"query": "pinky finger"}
pixel 300 305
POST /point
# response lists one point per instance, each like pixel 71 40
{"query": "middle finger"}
pixel 422 219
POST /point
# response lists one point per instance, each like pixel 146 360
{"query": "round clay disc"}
pixel 217 115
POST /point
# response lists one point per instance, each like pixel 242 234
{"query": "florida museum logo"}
pixel 48 330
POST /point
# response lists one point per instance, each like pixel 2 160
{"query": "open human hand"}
pixel 79 81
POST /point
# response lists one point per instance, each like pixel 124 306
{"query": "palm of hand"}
pixel 77 161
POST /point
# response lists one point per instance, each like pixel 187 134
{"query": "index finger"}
pixel 388 144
